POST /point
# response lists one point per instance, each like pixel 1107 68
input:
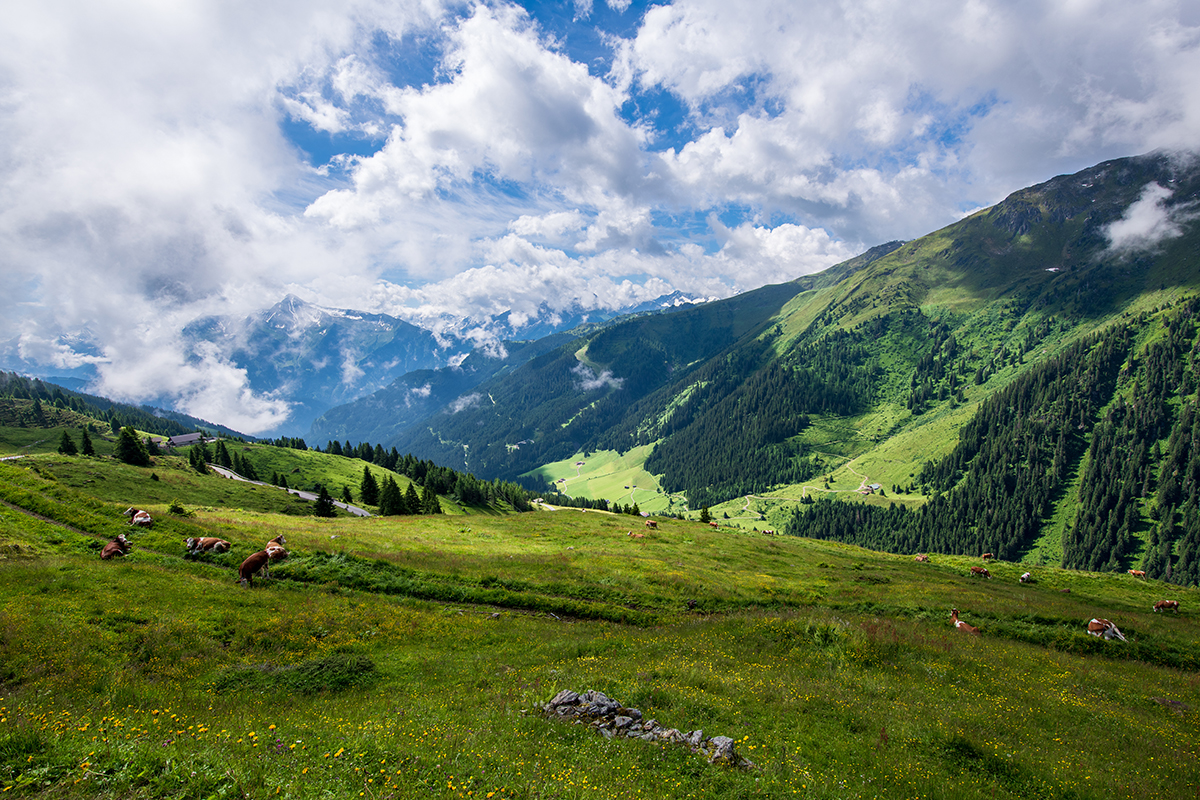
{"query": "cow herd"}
pixel 1103 628
pixel 255 564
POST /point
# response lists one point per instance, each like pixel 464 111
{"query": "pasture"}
pixel 408 657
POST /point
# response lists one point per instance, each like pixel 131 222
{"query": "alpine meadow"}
pixel 746 523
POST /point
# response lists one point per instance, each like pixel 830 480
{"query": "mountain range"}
pixel 1030 326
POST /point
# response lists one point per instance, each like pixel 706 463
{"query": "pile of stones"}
pixel 611 719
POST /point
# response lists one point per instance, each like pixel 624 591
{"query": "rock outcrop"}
pixel 611 718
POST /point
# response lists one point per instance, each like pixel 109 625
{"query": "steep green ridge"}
pixel 888 369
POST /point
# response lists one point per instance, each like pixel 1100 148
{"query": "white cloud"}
pixel 589 380
pixel 153 173
pixel 466 401
pixel 1148 222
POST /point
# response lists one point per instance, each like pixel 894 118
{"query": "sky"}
pixel 448 161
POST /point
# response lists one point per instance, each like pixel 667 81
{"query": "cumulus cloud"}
pixel 1148 222
pixel 446 162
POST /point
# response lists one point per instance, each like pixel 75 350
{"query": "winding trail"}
pixel 228 473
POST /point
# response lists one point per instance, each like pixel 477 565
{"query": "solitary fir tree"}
pixel 85 443
pixel 324 506
pixel 130 448
pixel 66 445
pixel 368 490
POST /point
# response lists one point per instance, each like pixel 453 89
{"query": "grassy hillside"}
pixel 409 657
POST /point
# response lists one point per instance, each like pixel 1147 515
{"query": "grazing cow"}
pixel 960 625
pixel 769 532
pixel 980 571
pixel 138 517
pixel 651 524
pixel 1167 605
pixel 274 553
pixel 922 557
pixel 1104 628
pixel 115 548
pixel 988 556
pixel 1026 578
pixel 250 567
pixel 1137 573
pixel 206 544
pixel 713 525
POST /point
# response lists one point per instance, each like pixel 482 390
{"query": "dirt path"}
pixel 228 473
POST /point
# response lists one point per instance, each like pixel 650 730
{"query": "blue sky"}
pixel 447 161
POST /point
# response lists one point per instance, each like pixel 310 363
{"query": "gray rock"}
pixel 565 698
pixel 622 722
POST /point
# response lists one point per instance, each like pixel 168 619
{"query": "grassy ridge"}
pixel 406 657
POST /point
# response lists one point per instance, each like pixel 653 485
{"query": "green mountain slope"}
pixel 875 371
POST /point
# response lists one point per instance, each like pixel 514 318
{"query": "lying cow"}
pixel 115 548
pixel 1167 605
pixel 138 517
pixel 206 544
pixel 1104 628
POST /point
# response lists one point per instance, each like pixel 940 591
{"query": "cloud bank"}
pixel 445 161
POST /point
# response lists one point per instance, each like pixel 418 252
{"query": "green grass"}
pixel 618 477
pixel 408 657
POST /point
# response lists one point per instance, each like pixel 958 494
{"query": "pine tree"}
pixel 704 515
pixel 196 460
pixel 411 499
pixel 131 450
pixel 368 489
pixel 324 506
pixel 85 443
pixel 221 458
pixel 346 496
pixel 429 501
pixel 66 445
pixel 391 502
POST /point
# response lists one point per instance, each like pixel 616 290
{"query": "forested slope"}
pixel 1121 404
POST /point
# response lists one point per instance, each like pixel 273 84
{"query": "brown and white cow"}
pixel 138 517
pixel 713 525
pixel 278 541
pixel 1167 605
pixel 1104 628
pixel 115 548
pixel 960 625
pixel 637 535
pixel 251 566
pixel 980 571
pixel 1137 573
pixel 988 556
pixel 206 544
pixel 922 557
pixel 651 524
